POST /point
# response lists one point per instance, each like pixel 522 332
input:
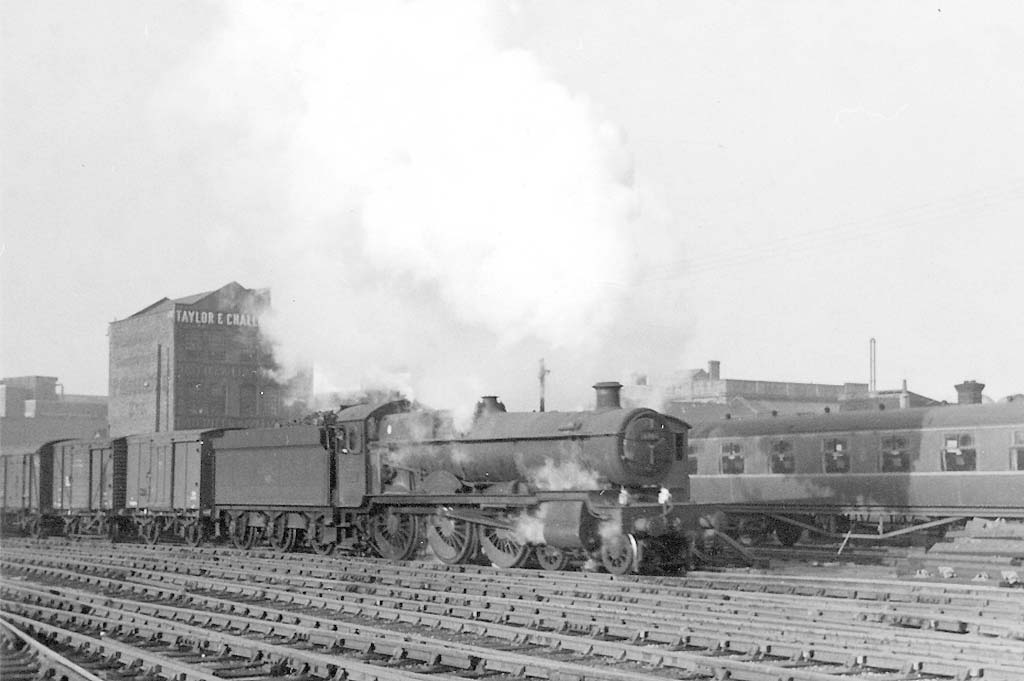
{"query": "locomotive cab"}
pixel 358 467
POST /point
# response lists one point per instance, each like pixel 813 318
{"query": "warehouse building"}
pixel 35 409
pixel 704 394
pixel 198 362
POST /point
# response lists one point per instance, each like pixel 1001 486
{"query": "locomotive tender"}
pixel 862 474
pixel 609 484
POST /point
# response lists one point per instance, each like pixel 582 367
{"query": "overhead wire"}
pixel 843 232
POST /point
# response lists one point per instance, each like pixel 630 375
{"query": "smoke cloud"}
pixel 431 210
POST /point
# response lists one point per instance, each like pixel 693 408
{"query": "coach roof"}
pixel 965 416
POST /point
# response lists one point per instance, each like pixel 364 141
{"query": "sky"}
pixel 440 194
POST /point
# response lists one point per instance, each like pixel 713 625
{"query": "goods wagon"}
pixel 20 490
pixel 169 485
pixel 88 483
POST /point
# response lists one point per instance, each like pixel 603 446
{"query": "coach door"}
pixel 351 464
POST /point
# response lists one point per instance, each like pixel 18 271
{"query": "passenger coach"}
pixel 896 471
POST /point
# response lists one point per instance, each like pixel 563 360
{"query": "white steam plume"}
pixel 411 189
pixel 564 474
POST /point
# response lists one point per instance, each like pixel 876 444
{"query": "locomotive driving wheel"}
pixel 620 554
pixel 501 546
pixel 396 535
pixel 551 557
pixel 452 540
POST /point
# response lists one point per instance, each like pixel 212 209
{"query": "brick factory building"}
pixel 35 409
pixel 198 362
pixel 704 395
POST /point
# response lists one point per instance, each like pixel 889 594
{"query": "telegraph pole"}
pixel 541 375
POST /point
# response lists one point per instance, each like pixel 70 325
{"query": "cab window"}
pixel 1017 451
pixel 354 441
pixel 781 458
pixel 835 455
pixel 959 453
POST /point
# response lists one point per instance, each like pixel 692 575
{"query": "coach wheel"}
pixel 830 524
pixel 395 535
pixel 752 531
pixel 502 548
pixel 195 534
pixel 452 540
pixel 320 545
pixel 619 554
pixel 282 537
pixel 787 534
pixel 551 557
pixel 150 531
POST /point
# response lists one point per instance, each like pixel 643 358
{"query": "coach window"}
pixel 782 460
pixel 959 453
pixel 895 458
pixel 837 459
pixel 732 459
pixel 1017 451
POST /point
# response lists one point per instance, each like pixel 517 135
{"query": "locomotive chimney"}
pixel 489 404
pixel 714 369
pixel 969 392
pixel 608 394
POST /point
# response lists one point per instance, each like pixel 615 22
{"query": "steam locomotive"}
pixel 875 475
pixel 608 484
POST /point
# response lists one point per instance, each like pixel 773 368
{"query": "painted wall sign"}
pixel 210 318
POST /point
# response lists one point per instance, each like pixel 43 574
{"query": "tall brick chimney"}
pixel 969 392
pixel 714 369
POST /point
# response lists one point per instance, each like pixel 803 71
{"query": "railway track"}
pixel 25 657
pixel 316 617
